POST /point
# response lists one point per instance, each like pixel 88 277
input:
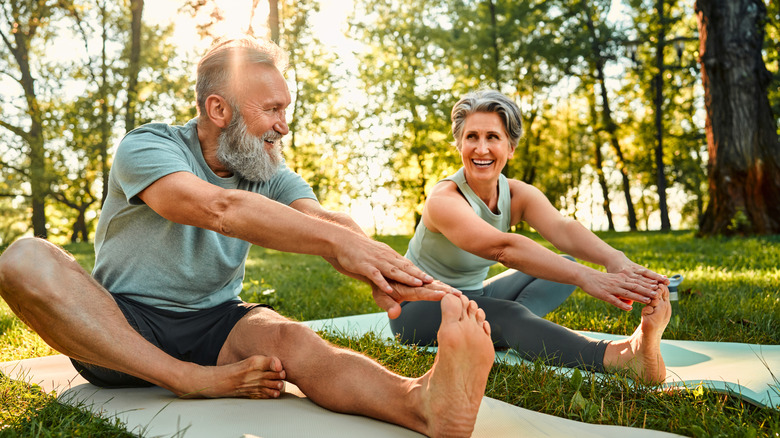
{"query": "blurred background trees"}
pixel 638 114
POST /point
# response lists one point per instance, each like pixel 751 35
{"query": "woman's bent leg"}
pixel 515 326
pixel 419 322
pixel 539 296
pixel 512 326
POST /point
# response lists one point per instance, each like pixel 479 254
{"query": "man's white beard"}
pixel 245 154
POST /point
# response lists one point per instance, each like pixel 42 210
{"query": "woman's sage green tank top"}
pixel 440 258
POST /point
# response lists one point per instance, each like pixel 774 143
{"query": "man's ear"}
pixel 218 111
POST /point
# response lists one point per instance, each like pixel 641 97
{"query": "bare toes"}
pixel 480 315
pixel 472 309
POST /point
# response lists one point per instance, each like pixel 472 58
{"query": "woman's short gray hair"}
pixel 488 101
pixel 226 58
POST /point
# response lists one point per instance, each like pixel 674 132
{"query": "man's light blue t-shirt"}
pixel 150 259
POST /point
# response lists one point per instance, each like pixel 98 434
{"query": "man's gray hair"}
pixel 488 101
pixel 226 59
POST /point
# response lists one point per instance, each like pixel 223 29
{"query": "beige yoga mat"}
pixel 155 412
pixel 748 370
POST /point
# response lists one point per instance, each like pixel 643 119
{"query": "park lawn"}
pixel 731 293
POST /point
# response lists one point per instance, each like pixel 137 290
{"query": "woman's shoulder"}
pixel 444 187
pixel 518 187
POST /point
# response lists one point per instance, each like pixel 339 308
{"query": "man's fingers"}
pixel 379 280
pixel 619 303
pixel 404 271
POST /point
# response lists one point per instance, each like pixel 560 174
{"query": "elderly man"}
pixel 184 205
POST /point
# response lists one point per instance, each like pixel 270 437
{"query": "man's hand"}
pixel 361 257
pixel 378 263
pixel 433 291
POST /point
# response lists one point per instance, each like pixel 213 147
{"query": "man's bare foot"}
pixel 454 386
pixel 641 353
pixel 254 377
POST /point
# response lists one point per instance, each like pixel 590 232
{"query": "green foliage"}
pixel 11 219
pixel 404 70
pixel 319 147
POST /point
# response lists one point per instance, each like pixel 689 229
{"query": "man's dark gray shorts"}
pixel 192 336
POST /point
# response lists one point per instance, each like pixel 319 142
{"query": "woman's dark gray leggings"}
pixel 514 304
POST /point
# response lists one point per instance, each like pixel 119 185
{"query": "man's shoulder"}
pixel 159 137
pixel 163 130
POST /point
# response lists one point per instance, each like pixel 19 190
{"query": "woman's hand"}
pixel 622 289
pixel 638 273
pixel 390 302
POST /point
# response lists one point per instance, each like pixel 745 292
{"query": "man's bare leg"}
pixel 51 293
pixel 641 352
pixel 443 402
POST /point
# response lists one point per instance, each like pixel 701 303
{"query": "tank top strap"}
pixel 502 219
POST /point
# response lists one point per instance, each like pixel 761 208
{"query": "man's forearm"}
pixel 269 224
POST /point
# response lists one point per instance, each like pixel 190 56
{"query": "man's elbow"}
pixel 220 213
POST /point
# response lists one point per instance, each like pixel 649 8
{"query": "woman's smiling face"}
pixel 485 145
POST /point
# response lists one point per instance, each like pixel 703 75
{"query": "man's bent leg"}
pixel 48 290
pixel 443 401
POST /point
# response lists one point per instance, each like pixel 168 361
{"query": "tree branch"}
pixel 74 13
pixel 16 130
pixel 14 168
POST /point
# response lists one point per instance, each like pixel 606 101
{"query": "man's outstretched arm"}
pixel 186 199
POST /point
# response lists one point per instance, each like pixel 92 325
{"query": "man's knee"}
pixel 18 256
pixel 25 261
pixel 292 333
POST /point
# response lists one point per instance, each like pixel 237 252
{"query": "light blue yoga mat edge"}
pixel 686 360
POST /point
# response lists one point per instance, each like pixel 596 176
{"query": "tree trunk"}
pixel 105 129
pixel 659 121
pixel 80 226
pixel 606 112
pixel 136 8
pixel 603 184
pixel 273 20
pixel 496 48
pixel 742 140
pixel 599 162
pixel 39 186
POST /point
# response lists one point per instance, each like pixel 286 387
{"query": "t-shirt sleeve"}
pixel 144 157
pixel 287 186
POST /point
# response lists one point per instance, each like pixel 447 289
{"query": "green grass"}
pixel 731 293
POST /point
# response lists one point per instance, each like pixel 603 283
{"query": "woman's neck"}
pixel 486 190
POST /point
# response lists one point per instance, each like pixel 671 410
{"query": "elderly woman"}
pixel 464 230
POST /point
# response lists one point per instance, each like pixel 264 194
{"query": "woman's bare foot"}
pixel 254 377
pixel 454 386
pixel 641 353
